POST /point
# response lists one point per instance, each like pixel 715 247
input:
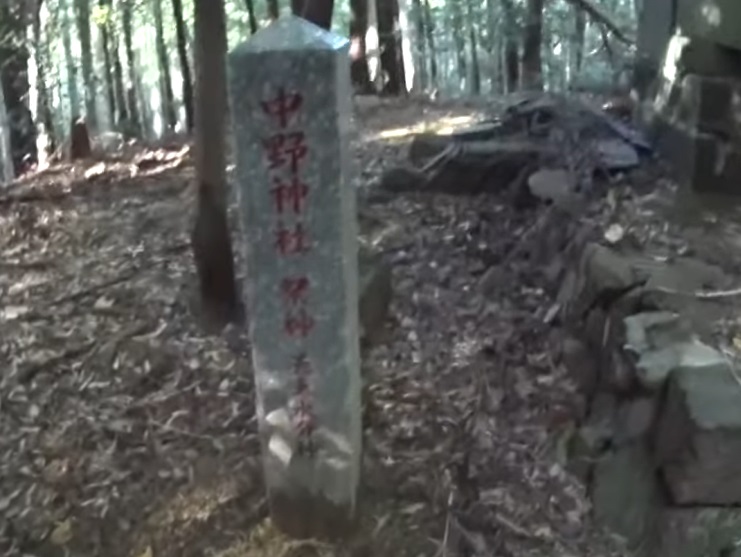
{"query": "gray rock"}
pixel 616 154
pixel 655 366
pixel 655 329
pixel 635 420
pixel 606 269
pixel 699 435
pixel 556 185
pixel 701 532
pixel 581 364
pixel 626 497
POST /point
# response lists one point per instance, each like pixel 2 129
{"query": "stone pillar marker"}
pixel 290 97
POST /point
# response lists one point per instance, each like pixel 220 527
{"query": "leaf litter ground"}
pixel 126 430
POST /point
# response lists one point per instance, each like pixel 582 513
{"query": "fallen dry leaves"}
pixel 118 412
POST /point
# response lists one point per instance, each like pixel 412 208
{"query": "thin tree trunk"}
pixel 475 69
pixel 135 124
pixel 373 47
pixel 490 44
pixel 273 9
pixel 82 13
pixel 430 31
pixel 405 31
pixel 14 20
pixel 359 70
pixel 123 113
pixel 168 97
pixel 532 66
pixel 43 106
pixel 250 5
pixel 72 91
pixel 459 38
pixel 105 39
pixel 580 26
pixel 391 61
pixel 177 8
pixel 421 42
pixel 511 51
pixel 211 241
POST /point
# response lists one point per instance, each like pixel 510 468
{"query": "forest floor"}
pixel 125 430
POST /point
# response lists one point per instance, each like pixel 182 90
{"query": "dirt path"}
pixel 126 431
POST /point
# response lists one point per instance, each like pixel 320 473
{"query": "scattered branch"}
pixel 601 17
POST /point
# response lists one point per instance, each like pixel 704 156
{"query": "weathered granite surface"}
pixel 699 435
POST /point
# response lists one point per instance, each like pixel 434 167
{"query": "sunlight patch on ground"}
pixel 199 504
pixel 464 351
pixel 443 126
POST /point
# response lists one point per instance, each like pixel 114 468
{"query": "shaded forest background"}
pixel 127 65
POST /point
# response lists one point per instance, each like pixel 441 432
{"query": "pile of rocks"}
pixel 660 443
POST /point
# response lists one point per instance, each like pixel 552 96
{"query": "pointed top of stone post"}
pixel 291 33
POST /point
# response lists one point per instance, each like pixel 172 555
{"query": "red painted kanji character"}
pixel 286 146
pixel 305 423
pixel 292 240
pixel 291 194
pixel 283 106
pixel 298 324
pixel 304 416
pixel 295 289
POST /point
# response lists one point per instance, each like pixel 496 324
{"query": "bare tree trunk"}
pixel 475 87
pixel 319 12
pixel 430 31
pixel 105 38
pixel 168 97
pixel 14 63
pixel 459 38
pixel 273 9
pixel 72 92
pixel 177 8
pixel 211 242
pixel 580 26
pixel 122 120
pixel 250 5
pixel 391 60
pixel 82 9
pixel 532 70
pixel 43 106
pixel 421 40
pixel 358 57
pixel 511 51
pixel 490 44
pixel 131 93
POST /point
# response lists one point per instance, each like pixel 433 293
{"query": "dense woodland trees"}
pixel 149 68
pixel 127 65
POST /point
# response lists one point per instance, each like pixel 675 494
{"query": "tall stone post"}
pixel 291 106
